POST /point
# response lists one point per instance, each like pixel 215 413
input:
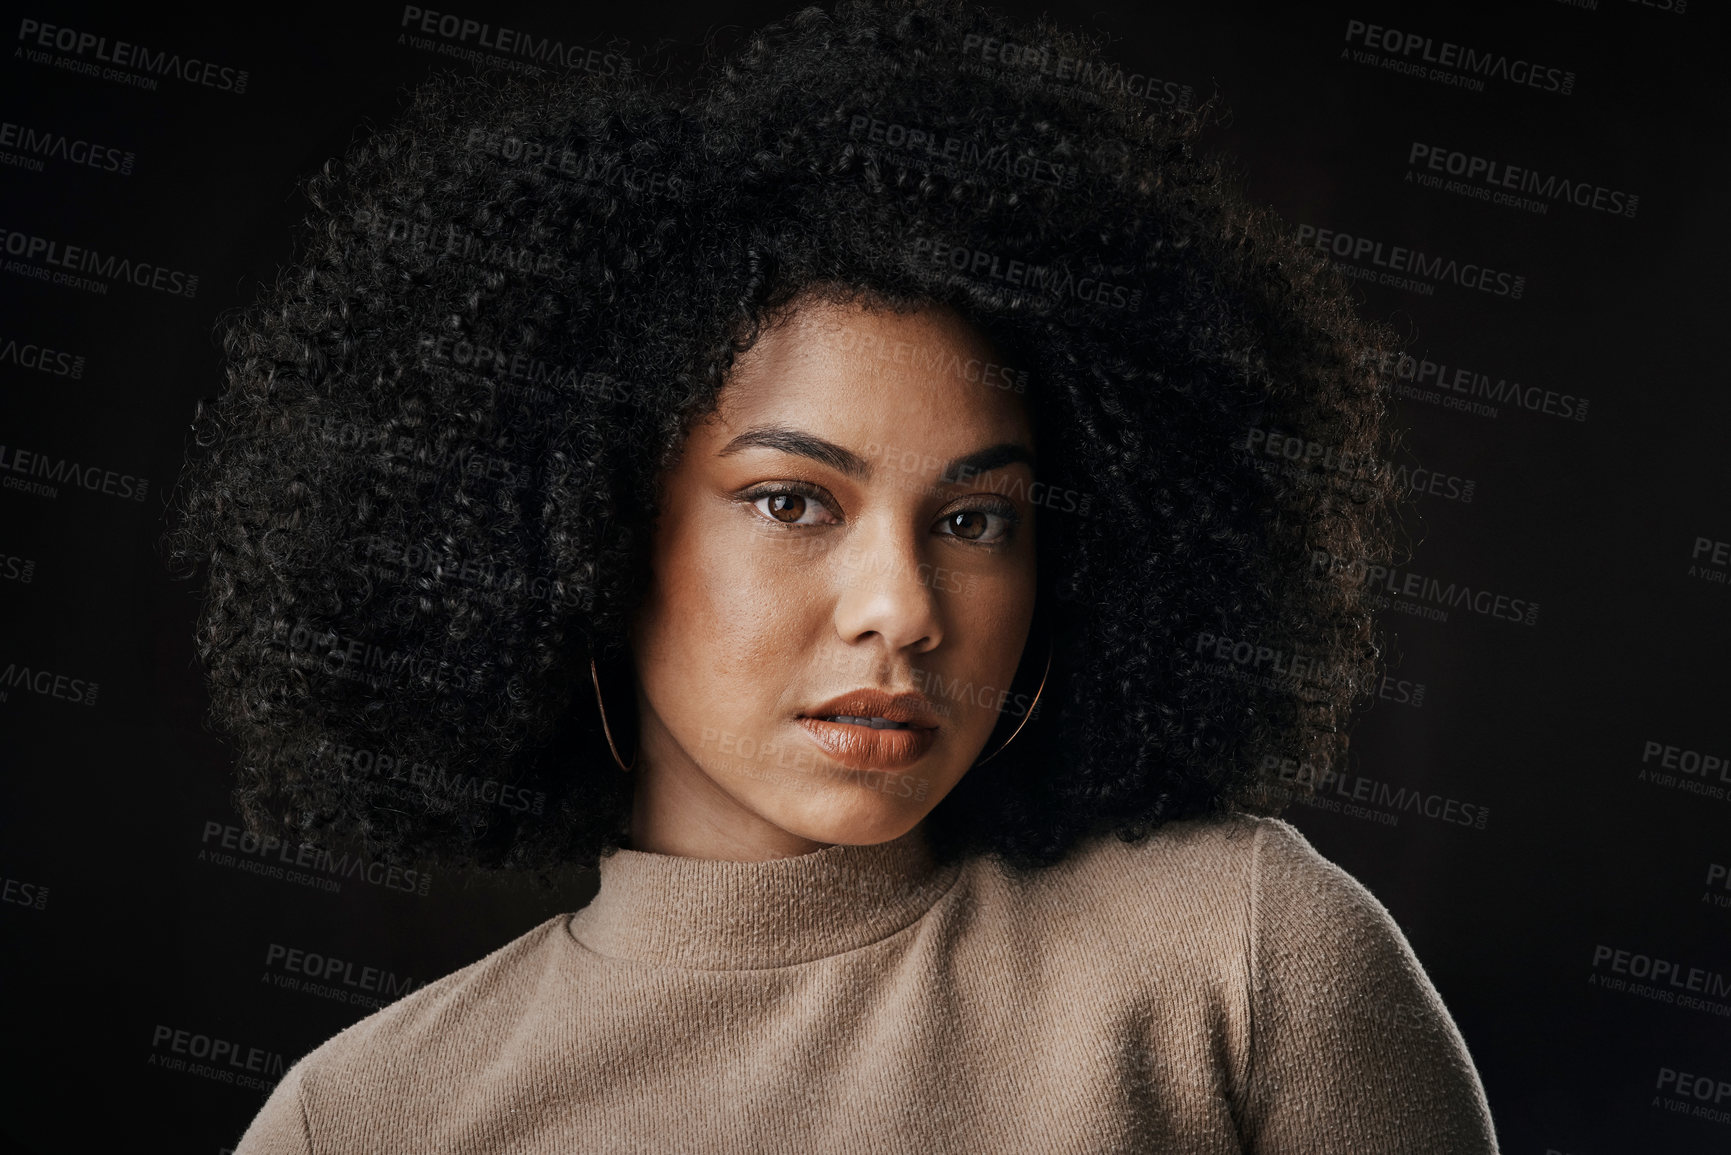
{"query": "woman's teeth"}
pixel 874 723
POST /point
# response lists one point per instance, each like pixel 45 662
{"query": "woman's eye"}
pixel 793 509
pixel 978 525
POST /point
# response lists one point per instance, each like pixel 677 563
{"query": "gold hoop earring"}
pixel 1026 716
pixel 605 728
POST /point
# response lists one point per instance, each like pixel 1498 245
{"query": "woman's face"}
pixel 842 583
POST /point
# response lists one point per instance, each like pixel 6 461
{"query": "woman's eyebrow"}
pixel 801 444
pixel 963 468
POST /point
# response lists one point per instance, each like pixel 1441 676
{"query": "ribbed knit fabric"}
pixel 1217 987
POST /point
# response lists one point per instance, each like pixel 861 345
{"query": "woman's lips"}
pixel 866 747
pixel 861 720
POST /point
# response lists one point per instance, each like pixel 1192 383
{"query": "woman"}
pixel 822 489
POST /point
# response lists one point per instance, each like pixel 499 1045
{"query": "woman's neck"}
pixel 716 914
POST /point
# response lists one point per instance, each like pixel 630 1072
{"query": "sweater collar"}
pixel 708 914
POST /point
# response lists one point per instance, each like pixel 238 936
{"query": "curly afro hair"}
pixel 421 503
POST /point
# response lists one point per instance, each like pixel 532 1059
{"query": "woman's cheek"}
pixel 757 613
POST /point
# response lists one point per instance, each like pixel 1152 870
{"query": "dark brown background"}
pixel 106 805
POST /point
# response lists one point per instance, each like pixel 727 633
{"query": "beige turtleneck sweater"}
pixel 1217 987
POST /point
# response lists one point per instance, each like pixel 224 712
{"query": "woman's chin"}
pixel 852 820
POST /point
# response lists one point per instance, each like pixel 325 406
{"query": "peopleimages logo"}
pixel 1698 1095
pixel 310 648
pixel 64 471
pixel 1053 283
pixel 1710 560
pixel 584 166
pixel 46 683
pixel 225 1061
pixel 1392 264
pixel 1266 665
pixel 1392 588
pixel 1299 457
pixel 29 144
pixel 303 864
pixel 1684 769
pixel 1485 179
pixel 1468 390
pixel 430 785
pixel 446 238
pixel 481 43
pixel 17 569
pixel 933 151
pixel 41 358
pixel 47 259
pixel 126 60
pixel 1087 79
pixel 932 358
pixel 341 980
pixel 1358 796
pixel 537 378
pixel 17 892
pixel 1427 58
pixel 1659 970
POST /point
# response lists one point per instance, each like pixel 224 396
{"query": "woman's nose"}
pixel 883 588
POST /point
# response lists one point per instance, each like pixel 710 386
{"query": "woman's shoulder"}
pixel 1202 857
pixel 451 1023
pixel 1184 864
pixel 490 985
pixel 1209 887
